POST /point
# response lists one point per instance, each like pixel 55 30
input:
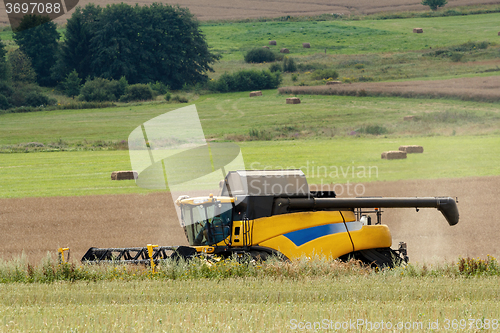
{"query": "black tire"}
pixel 184 253
pixel 381 258
pixel 259 255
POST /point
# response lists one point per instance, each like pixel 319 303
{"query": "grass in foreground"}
pixel 49 271
pixel 228 297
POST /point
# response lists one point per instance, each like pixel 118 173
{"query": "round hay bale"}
pixel 408 118
pixel 306 45
pixel 272 42
pixel 393 155
pixel 412 149
pixel 123 175
pixel 255 93
pixel 499 33
pixel 418 30
pixel 293 100
pixel 285 50
pixel 265 47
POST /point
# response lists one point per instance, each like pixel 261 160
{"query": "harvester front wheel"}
pixel 259 255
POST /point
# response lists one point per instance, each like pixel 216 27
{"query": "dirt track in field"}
pixel 239 9
pixel 38 225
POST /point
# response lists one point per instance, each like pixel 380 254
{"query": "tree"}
pixel 72 84
pixel 142 43
pixel 115 45
pixel 75 52
pixel 37 37
pixel 21 69
pixel 434 4
pixel 4 68
pixel 177 50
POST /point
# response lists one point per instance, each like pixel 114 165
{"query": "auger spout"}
pixel 446 205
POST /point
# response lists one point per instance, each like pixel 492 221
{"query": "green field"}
pixel 250 305
pixel 324 161
pixel 233 116
pixel 351 37
pixel 368 49
pixel 323 136
pixel 343 37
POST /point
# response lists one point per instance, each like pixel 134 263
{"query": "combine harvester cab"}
pixel 273 212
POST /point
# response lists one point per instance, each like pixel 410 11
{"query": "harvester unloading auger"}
pixel 254 213
pixel 264 212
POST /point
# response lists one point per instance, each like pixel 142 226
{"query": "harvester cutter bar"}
pixel 130 255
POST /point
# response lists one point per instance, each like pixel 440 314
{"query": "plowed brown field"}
pixel 467 88
pixel 242 9
pixel 239 9
pixel 38 225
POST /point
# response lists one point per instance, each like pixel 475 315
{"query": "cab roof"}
pixel 185 200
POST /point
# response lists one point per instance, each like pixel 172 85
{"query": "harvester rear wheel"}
pixel 381 257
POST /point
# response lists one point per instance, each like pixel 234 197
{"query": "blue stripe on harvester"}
pixel 303 236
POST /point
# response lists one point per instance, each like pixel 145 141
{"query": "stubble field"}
pixel 467 88
pixel 40 225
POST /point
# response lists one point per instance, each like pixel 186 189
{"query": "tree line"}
pixel 141 44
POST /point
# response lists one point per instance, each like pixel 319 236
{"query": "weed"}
pixel 159 87
pixel 325 74
pixel 275 67
pixel 365 78
pixel 180 99
pixel 456 52
pixel 289 65
pixel 49 271
pixel 473 267
pixel 349 79
pixel 310 66
pixel 356 63
pixel 456 57
pixel 246 80
pixel 137 92
pixel 256 134
pixel 61 145
pixel 260 55
pixel 448 117
pixel 373 130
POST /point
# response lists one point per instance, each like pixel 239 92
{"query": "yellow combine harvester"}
pixel 273 212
